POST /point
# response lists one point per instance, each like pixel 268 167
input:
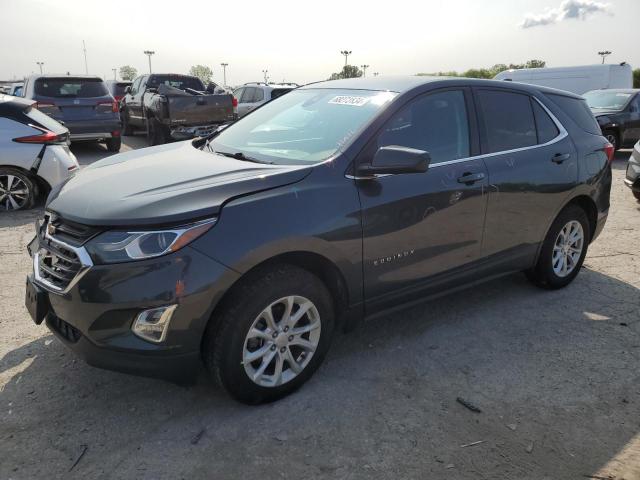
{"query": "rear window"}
pixel 67 87
pixel 577 109
pixel 118 88
pixel 508 120
pixel 175 81
pixel 278 92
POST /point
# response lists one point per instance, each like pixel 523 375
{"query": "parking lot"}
pixel 554 373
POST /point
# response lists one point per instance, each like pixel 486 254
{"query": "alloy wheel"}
pixel 568 248
pixel 281 341
pixel 612 139
pixel 14 192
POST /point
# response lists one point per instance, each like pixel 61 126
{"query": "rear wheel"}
pixel 612 138
pixel 155 132
pixel 637 195
pixel 563 250
pixel 17 190
pixel 271 334
pixel 114 144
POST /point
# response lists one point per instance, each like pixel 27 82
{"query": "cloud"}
pixel 568 9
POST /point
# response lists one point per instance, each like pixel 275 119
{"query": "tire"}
pixel 228 343
pixel 18 190
pixel 548 272
pixel 127 129
pixel 637 195
pixel 155 132
pixel 613 139
pixel 114 144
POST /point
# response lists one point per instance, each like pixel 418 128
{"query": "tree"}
pixel 489 72
pixel 127 72
pixel 535 64
pixel 203 72
pixel 348 71
pixel 636 78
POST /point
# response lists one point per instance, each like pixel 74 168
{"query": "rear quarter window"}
pixel 69 87
pixel 578 110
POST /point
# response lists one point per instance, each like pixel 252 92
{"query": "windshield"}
pixel 177 81
pixel 604 100
pixel 303 126
pixel 70 87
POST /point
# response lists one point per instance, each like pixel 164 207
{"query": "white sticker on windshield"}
pixel 625 95
pixel 349 100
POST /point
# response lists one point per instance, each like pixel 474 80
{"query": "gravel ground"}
pixel 555 375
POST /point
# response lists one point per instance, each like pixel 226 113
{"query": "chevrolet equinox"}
pixel 334 203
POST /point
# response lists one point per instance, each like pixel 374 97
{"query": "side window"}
pixel 143 83
pixel 508 120
pixel 135 85
pixel 259 95
pixel 546 128
pixel 237 94
pixel 247 96
pixel 436 123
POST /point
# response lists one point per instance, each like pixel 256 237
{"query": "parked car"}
pixel 173 107
pixel 578 79
pixel 34 154
pixel 81 103
pixel 15 89
pixel 251 95
pixel 618 114
pixel 338 201
pixel 117 88
pixel 632 179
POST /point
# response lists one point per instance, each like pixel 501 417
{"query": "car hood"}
pixel 166 184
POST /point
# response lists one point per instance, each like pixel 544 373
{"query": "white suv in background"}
pixel 251 95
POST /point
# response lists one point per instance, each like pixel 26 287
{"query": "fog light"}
pixel 152 324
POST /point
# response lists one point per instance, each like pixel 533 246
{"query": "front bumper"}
pixel 94 316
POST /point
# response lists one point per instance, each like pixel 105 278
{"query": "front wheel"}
pixel 271 334
pixel 563 250
pixel 637 195
pixel 127 129
pixel 17 190
pixel 612 138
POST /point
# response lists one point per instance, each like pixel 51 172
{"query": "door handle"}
pixel 560 157
pixel 470 178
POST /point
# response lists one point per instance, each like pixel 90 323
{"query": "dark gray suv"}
pixel 334 203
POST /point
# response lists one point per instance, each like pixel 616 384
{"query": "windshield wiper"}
pixel 243 157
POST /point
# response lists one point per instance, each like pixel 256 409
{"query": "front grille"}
pixel 57 261
pixel 69 332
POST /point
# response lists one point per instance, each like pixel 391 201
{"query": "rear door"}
pixel 532 166
pixel 416 226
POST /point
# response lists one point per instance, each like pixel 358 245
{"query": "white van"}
pixel 578 80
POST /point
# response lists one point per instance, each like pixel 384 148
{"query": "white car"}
pixel 251 95
pixel 34 154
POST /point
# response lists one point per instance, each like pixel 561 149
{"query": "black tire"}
pixel 155 132
pixel 127 129
pixel 22 201
pixel 114 144
pixel 636 194
pixel 613 139
pixel 224 341
pixel 543 274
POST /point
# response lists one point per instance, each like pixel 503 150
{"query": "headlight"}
pixel 124 246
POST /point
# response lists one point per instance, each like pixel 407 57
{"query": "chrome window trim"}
pixel 81 253
pixel 561 136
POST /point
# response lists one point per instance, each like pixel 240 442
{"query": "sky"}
pixel 301 41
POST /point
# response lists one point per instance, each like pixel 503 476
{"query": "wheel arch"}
pixel 589 206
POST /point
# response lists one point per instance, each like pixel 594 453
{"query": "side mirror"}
pixel 394 159
pixel 127 89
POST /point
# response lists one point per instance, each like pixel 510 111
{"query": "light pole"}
pixel 375 74
pixel 364 69
pixel 266 77
pixel 114 74
pixel 40 64
pixel 148 53
pixel 604 54
pixel 84 49
pixel 224 73
pixel 346 54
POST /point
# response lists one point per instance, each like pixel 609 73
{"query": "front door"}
pixel 416 226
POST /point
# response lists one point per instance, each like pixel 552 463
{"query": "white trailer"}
pixel 578 79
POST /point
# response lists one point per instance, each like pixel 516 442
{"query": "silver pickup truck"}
pixel 173 107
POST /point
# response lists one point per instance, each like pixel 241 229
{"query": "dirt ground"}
pixel 556 375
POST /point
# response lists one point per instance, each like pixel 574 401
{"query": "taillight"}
pixel 106 107
pixel 46 136
pixel 235 102
pixel 46 107
pixel 610 151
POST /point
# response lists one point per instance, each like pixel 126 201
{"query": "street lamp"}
pixel 604 54
pixel 364 69
pixel 266 78
pixel 149 53
pixel 224 73
pixel 40 64
pixel 375 74
pixel 346 54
